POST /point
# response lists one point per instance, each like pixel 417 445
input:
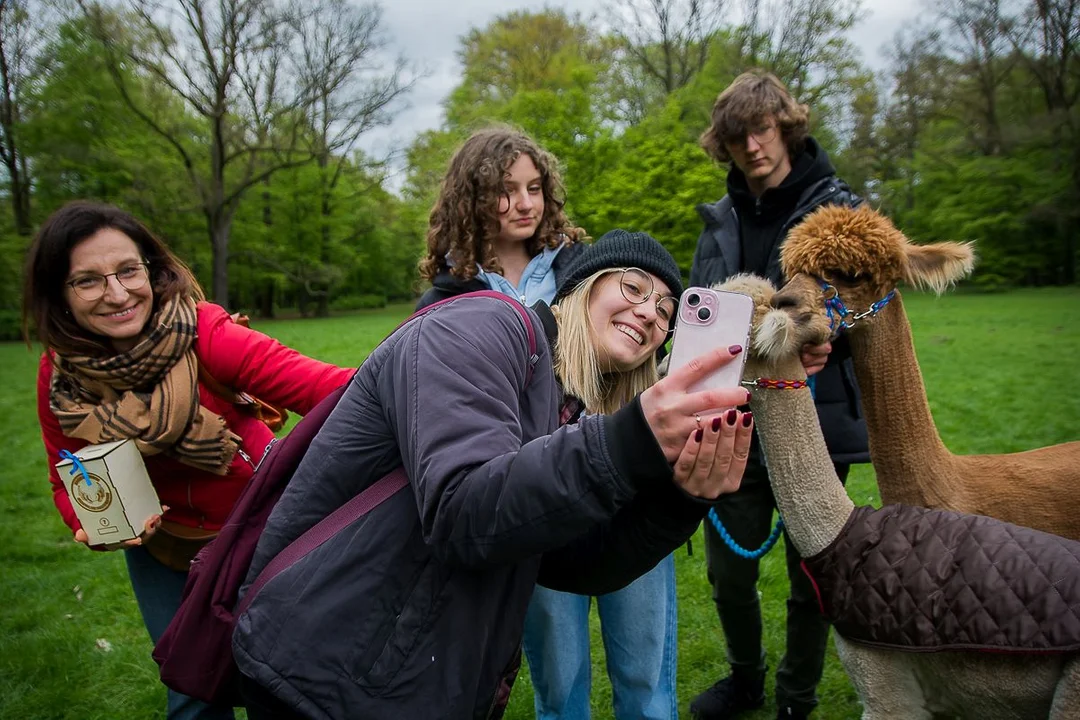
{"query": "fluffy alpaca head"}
pixel 861 254
pixel 775 335
pixel 863 246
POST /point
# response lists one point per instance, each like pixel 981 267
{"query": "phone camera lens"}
pixel 704 313
pixel 693 299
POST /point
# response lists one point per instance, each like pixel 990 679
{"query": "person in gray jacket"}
pixel 417 610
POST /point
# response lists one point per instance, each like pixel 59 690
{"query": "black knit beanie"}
pixel 622 249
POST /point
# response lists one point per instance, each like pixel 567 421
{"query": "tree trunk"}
pixel 1068 266
pixel 303 301
pixel 20 200
pixel 220 225
pixel 266 300
pixel 322 308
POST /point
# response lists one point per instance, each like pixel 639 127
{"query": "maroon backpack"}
pixel 195 652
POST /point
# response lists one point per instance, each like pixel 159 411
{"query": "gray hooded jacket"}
pixel 417 609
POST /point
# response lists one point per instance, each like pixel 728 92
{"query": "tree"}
pixel 804 43
pixel 234 67
pixel 21 40
pixel 860 161
pixel 1047 36
pixel 914 82
pixel 82 143
pixel 537 71
pixel 975 28
pixel 662 45
pixel 337 42
pixel 546 50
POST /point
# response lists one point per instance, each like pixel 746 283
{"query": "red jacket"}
pixel 239 358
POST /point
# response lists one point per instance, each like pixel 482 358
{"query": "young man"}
pixel 778 175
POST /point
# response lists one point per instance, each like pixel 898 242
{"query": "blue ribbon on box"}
pixel 76 465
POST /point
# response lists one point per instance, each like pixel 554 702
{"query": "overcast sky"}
pixel 427 32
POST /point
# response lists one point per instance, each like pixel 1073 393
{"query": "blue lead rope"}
pixel 739 549
pixel 76 465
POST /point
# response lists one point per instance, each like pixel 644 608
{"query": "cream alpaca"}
pixel 891 683
pixel 863 256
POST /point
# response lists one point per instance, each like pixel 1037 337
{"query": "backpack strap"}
pixel 360 505
pixel 534 355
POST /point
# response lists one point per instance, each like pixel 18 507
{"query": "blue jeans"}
pixel 638 624
pixel 157 591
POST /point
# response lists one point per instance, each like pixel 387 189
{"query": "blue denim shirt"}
pixel 537 281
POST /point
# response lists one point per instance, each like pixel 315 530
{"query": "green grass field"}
pixel 1000 373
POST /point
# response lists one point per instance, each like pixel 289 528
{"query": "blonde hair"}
pixel 576 361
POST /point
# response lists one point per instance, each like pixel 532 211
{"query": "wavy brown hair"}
pixel 48 262
pixel 744 104
pixel 464 221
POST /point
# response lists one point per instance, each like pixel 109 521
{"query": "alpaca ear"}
pixel 937 266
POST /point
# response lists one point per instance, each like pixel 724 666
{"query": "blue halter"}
pixel 838 313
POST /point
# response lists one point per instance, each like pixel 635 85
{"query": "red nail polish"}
pixel 698 435
pixel 747 418
pixel 747 396
pixel 734 349
pixel 716 423
pixel 732 414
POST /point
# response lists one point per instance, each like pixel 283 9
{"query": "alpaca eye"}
pixel 844 277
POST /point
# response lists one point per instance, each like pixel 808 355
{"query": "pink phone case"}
pixel 710 319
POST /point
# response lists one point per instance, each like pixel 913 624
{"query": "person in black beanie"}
pixel 638 621
pixel 778 174
pixel 621 247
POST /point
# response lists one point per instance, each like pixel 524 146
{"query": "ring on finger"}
pixel 697 418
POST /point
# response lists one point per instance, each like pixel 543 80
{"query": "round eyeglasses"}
pixel 762 134
pixel 92 286
pixel 637 286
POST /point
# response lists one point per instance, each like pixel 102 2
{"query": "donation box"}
pixel 109 490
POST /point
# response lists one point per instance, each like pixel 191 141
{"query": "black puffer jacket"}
pixel 811 183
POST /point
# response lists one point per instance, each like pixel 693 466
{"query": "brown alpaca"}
pixel 913 683
pixel 863 257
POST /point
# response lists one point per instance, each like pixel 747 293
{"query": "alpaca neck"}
pixel 908 456
pixel 808 494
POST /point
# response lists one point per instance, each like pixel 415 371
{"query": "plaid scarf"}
pixel 149 393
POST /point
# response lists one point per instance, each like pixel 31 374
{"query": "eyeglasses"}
pixel 637 286
pixel 92 287
pixel 763 134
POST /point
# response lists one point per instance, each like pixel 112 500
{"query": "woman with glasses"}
pixel 129 345
pixel 417 609
pixel 499 224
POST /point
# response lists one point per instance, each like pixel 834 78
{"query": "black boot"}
pixel 727 698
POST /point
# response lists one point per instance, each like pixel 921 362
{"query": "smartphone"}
pixel 710 319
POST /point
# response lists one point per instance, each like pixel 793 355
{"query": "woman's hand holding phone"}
pixel 693 410
pixel 674 410
pixel 714 458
